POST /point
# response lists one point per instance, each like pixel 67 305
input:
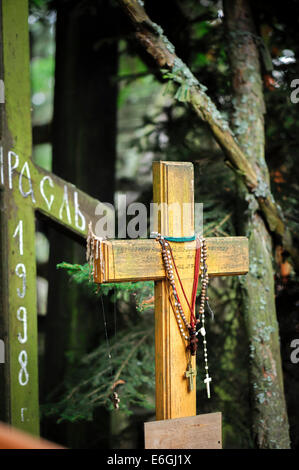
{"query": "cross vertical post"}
pixel 173 190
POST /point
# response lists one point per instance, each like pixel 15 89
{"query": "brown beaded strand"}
pixel 169 269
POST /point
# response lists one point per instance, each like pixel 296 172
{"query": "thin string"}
pixel 106 334
pixel 114 311
pixel 210 310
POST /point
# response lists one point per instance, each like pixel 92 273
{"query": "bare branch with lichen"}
pixel 189 89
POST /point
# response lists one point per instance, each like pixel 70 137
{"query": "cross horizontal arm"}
pixel 137 260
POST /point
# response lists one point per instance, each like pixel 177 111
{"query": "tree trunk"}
pixel 269 417
pixel 84 152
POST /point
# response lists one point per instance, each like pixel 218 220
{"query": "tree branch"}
pixel 151 37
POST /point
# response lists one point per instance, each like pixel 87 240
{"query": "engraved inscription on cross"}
pixel 24 189
pixel 137 260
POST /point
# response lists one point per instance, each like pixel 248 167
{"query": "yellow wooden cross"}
pixel 136 260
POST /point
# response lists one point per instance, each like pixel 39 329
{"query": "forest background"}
pixel 102 112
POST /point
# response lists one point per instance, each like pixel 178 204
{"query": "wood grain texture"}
pixel 136 260
pixel 172 183
pixel 195 432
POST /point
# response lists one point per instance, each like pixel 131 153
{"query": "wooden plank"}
pixel 56 198
pixel 24 188
pixel 195 432
pixel 134 260
pixel 22 310
pixel 19 319
pixel 172 184
pixel 82 207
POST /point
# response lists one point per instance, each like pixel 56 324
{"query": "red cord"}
pixel 195 283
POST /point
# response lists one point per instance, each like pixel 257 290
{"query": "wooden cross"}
pixel 24 189
pixel 136 260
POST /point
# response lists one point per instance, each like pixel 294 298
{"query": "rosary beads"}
pixel 188 329
pixel 183 324
pixel 204 299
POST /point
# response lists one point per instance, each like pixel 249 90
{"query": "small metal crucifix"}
pixel 190 374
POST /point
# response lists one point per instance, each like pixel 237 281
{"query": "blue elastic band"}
pixel 181 239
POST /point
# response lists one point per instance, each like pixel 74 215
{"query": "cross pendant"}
pixel 190 374
pixel 207 381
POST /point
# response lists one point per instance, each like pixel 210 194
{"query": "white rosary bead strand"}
pixel 177 308
pixel 204 281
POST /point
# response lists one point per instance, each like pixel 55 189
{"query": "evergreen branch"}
pixel 81 275
pixel 117 375
pixel 90 386
pixel 222 222
pixel 85 382
pixel 221 233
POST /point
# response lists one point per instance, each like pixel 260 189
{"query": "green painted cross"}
pixel 24 189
